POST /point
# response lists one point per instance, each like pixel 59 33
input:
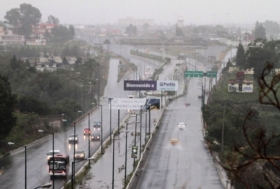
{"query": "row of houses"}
pixel 7 37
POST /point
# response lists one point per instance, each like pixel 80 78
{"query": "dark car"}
pixel 96 126
pixel 95 136
pixel 87 131
pixel 152 104
pixel 79 154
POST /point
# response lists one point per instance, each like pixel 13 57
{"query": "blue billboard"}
pixel 140 85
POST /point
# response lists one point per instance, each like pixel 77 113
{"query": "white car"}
pixel 73 139
pixel 181 125
pixel 50 154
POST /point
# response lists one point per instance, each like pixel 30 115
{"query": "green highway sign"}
pixel 211 74
pixel 193 73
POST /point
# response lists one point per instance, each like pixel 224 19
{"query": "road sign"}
pixel 134 151
pixel 211 74
pixel 193 73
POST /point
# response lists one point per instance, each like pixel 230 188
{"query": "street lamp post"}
pixel 140 130
pixel 73 174
pixel 125 156
pixel 42 131
pixel 135 139
pixel 98 89
pixel 126 127
pixel 101 139
pixel 110 99
pixel 25 167
pixel 113 167
pixel 145 126
pixel 25 164
pixel 89 139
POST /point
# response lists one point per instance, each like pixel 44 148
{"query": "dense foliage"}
pixel 7 107
pixel 241 129
pixel 24 18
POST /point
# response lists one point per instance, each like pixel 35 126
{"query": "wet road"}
pixel 187 164
pixel 37 169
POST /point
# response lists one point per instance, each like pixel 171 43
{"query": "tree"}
pixel 259 31
pixel 71 31
pixel 145 26
pixel 47 35
pixel 107 42
pixel 24 18
pixel 260 51
pixel 258 165
pixel 240 56
pixel 52 20
pixel 7 107
pixel 131 30
pixel 226 68
pixel 272 28
pixel 179 32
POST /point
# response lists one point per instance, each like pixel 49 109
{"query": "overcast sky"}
pixel 161 11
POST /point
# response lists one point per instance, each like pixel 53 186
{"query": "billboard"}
pixel 140 85
pixel 167 85
pixel 149 85
pixel 127 103
pixel 240 88
pixel 247 88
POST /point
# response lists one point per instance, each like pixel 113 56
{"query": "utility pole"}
pixel 223 131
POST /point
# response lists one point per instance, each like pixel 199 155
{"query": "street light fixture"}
pixel 73 172
pixel 74 150
pixel 89 139
pixel 25 165
pixel 42 131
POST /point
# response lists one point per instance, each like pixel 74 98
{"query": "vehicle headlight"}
pixel 98 137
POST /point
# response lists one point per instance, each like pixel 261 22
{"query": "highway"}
pixel 190 147
pixel 187 164
pixel 37 168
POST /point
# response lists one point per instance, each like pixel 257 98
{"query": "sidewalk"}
pixel 100 174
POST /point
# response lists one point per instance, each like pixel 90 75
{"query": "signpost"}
pixel 200 74
pixel 211 74
pixel 194 74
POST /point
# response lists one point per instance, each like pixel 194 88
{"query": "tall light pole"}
pixel 73 165
pixel 101 125
pixel 110 107
pixel 113 167
pixel 145 126
pixel 140 130
pixel 42 131
pixel 25 167
pixel 98 85
pixel 25 164
pixel 125 167
pixel 135 139
pixel 125 156
pixel 89 139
